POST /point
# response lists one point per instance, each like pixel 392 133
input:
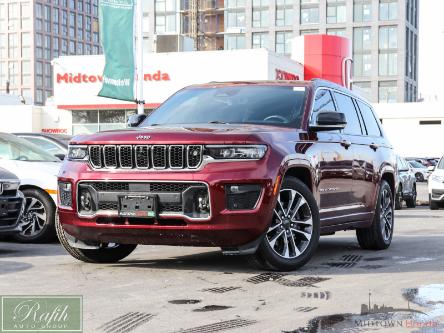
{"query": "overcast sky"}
pixel 431 49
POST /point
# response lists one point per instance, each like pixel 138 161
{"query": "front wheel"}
pixel 107 253
pixel 398 199
pixel 379 235
pixel 293 235
pixel 37 221
pixel 411 202
pixel 433 204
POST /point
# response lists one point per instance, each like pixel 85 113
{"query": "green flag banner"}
pixel 116 24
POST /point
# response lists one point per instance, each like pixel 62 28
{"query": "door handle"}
pixel 374 146
pixel 345 144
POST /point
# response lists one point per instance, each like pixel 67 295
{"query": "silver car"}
pixel 406 185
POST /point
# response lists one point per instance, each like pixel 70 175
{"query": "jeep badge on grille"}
pixel 143 137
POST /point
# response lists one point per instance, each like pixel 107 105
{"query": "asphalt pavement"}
pixel 183 289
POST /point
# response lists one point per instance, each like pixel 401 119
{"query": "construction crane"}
pixel 194 22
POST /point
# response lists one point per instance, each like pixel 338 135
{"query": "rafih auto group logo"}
pixel 41 314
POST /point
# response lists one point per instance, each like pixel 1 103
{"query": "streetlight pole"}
pixel 139 58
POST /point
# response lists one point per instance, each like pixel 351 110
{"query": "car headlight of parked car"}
pixel 438 179
pixel 77 153
pixel 235 152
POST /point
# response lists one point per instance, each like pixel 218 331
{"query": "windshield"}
pixel 416 164
pixel 14 148
pixel 441 163
pixel 258 104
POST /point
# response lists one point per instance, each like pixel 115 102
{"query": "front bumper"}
pixel 11 211
pixel 436 190
pixel 222 227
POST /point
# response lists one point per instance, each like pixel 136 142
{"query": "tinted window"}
pixel 242 104
pixel 346 106
pixel 323 101
pixel 369 119
pixel 46 145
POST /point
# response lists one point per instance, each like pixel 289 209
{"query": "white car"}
pixel 421 172
pixel 37 171
pixel 436 185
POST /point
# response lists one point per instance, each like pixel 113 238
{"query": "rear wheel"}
pixel 411 202
pixel 37 221
pixel 293 235
pixel 107 253
pixel 379 235
pixel 398 198
pixel 433 204
pixel 419 177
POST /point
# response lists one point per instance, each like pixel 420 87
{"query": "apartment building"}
pixel 33 33
pixel 384 33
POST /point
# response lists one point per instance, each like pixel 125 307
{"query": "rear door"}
pixel 351 137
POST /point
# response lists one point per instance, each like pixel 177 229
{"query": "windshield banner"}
pixel 116 24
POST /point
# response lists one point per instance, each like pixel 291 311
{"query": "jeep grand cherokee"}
pixel 256 168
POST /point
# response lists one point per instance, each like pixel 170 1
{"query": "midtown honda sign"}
pixel 88 78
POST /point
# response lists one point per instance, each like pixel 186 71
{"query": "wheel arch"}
pixel 301 172
pixel 35 187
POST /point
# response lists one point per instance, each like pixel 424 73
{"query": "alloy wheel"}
pixel 292 227
pixel 34 217
pixel 386 215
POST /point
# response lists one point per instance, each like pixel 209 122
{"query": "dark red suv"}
pixel 256 168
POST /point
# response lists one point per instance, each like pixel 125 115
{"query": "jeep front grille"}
pixel 145 156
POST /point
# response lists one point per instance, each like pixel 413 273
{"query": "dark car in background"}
pixel 11 203
pixel 406 180
pixel 55 144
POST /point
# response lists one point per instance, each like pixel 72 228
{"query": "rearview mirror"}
pixel 135 120
pixel 329 121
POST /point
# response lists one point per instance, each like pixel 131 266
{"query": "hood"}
pixel 32 171
pixel 186 134
pixel 5 174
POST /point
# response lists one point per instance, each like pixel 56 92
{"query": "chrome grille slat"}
pixel 176 156
pixel 143 157
pixel 158 156
pixel 110 156
pixel 95 156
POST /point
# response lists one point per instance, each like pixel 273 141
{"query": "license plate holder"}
pixel 141 206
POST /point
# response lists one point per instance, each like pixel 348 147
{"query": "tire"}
pixel 38 218
pixel 291 240
pixel 398 199
pixel 411 202
pixel 379 235
pixel 433 204
pixel 100 256
pixel 419 177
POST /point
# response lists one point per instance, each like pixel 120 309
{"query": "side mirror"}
pixel 431 168
pixel 329 121
pixel 135 120
pixel 60 156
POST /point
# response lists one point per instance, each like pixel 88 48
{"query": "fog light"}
pixel 242 196
pixel 196 202
pixel 85 201
pixel 65 194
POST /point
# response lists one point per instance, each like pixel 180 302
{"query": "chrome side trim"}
pixel 341 216
pixel 345 207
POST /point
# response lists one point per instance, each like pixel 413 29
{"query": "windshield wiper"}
pixel 217 122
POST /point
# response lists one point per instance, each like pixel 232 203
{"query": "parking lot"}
pixel 171 289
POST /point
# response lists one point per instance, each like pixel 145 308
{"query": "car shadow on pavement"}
pixel 12 249
pixel 334 256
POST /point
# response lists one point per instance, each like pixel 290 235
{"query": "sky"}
pixel 431 50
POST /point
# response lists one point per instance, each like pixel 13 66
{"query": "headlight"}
pixel 235 152
pixel 438 179
pixel 77 153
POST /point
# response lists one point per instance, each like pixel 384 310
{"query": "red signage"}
pixel 87 78
pixel 55 130
pixel 283 75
